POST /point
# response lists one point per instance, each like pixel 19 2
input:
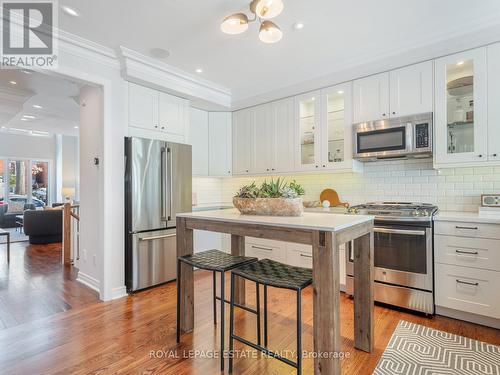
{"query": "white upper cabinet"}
pixel 371 98
pixel 283 128
pixel 199 141
pixel 494 102
pixel 219 144
pixel 461 118
pixel 172 113
pixel 154 114
pixel 411 90
pixel 307 131
pixel 401 92
pixel 263 139
pixel 143 107
pixel 336 127
pixel 243 122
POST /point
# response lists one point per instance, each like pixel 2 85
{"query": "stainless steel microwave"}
pixel 402 137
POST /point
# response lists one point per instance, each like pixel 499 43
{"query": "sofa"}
pixel 8 219
pixel 43 227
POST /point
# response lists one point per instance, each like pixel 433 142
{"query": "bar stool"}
pixel 270 273
pixel 215 261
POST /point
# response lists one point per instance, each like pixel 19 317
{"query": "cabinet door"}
pixel 283 126
pixel 493 102
pixel 199 141
pixel 307 131
pixel 219 140
pixel 242 141
pixel 461 108
pixel 336 127
pixel 411 90
pixel 172 114
pixel 263 139
pixel 142 107
pixel 371 98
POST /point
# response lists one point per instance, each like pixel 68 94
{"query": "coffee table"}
pixel 7 234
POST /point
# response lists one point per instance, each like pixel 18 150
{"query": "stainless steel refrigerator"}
pixel 158 181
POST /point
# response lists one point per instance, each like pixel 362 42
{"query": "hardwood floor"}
pixel 35 284
pixel 136 334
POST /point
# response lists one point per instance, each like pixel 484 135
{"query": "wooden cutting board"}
pixel 331 196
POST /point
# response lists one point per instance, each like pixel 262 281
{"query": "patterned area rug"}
pixel 415 349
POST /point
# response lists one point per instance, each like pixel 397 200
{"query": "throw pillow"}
pixel 15 207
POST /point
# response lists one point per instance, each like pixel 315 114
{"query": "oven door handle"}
pixel 400 231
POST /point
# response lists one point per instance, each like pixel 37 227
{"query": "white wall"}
pixel 26 147
pixel 70 164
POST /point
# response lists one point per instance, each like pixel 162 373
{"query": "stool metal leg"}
pixel 178 301
pixel 222 333
pixel 265 316
pixel 215 297
pixel 231 325
pixel 257 286
pixel 299 332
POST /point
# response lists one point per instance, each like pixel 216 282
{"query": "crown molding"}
pixel 142 69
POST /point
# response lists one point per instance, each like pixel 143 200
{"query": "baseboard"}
pixel 119 292
pixel 89 281
pixel 468 317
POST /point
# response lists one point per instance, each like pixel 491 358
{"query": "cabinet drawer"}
pixel 469 252
pixel 468 289
pixel 299 255
pixel 464 229
pixel 276 253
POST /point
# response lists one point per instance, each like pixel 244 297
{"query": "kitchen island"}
pixel 325 233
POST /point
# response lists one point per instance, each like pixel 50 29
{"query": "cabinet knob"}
pixel 272 169
pixel 162 127
pixel 393 113
pixel 317 166
pixel 267 169
pixel 156 126
pixel 494 155
pixel 247 170
pixel 229 172
pixel 480 155
pixel 383 114
pixel 324 166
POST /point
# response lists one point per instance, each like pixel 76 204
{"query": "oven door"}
pixel 403 256
pixel 378 140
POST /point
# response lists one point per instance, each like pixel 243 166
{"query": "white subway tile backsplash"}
pixel 403 180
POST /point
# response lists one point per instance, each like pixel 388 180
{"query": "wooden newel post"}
pixel 67 234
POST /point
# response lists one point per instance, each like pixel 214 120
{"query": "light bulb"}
pixel 235 24
pixel 267 9
pixel 269 32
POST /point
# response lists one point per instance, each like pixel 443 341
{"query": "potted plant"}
pixel 274 198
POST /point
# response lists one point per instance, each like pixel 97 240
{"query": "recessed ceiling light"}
pixel 26 71
pixel 76 127
pixel 340 92
pixel 298 25
pixel 24 119
pixel 38 106
pixel 199 70
pixel 13 82
pixel 31 117
pixel 159 53
pixel 70 11
pixel 460 63
pixel 4 127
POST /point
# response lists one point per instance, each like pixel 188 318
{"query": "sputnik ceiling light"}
pixel 263 10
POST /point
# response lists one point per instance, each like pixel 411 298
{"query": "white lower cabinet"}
pixel 294 254
pixel 467 270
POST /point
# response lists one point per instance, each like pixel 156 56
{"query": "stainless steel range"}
pixel 403 254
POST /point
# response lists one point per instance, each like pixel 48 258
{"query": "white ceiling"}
pixel 58 97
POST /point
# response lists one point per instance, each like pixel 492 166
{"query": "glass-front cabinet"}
pixel 308 134
pixel 336 135
pixel 461 109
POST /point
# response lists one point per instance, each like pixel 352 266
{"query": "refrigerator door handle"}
pixel 152 238
pixel 162 186
pixel 169 180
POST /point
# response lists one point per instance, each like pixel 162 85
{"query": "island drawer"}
pixel 468 289
pixel 465 229
pixel 469 252
pixel 273 250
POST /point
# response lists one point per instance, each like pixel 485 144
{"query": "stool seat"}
pixel 216 260
pixel 279 275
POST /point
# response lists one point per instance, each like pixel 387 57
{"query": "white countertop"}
pixel 309 220
pixel 470 217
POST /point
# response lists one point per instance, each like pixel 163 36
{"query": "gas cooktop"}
pixel 396 211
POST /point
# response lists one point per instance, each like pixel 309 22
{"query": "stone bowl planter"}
pixel 269 206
